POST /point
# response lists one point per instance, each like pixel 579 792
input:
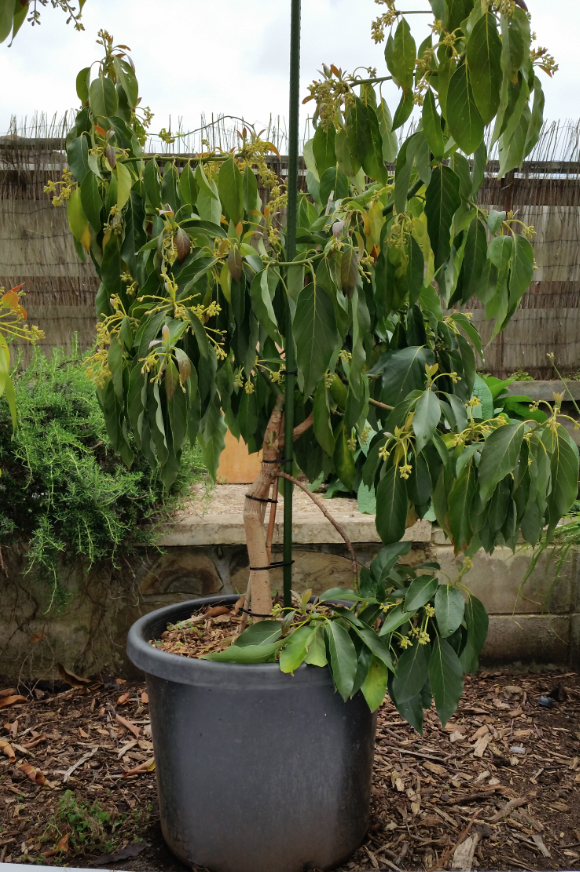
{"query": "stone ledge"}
pixel 228 529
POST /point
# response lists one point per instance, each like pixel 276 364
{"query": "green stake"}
pixel 290 359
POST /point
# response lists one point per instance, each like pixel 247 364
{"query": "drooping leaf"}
pixel 412 672
pixel 446 678
pixel 426 418
pixel 103 98
pixel 294 651
pixel 449 609
pixel 374 687
pixel 231 190
pixel 442 201
pixel 484 59
pixel 245 653
pixel 463 116
pixel 391 506
pixel 315 334
pixel 460 501
pixel 432 126
pixel 343 659
pixel 499 456
pixel 323 150
pixel 343 457
pixel 401 55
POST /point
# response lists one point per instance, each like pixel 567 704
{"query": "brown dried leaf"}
pixel 147 766
pixel 144 697
pixel 128 725
pixel 34 774
pixel 7 749
pixel 8 691
pixel 111 156
pixel 124 698
pixel 37 741
pixel 481 745
pixel 12 700
pixel 217 610
pixel 37 637
pixel 82 733
pixel 71 678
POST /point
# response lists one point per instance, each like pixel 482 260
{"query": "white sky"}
pixel 195 56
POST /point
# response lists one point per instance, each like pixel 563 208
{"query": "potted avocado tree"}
pixel 350 325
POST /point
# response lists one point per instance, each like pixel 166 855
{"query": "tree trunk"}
pixel 259 585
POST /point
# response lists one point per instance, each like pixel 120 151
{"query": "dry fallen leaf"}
pixel 147 766
pixel 124 698
pixel 144 698
pixel 34 774
pixel 33 742
pixel 12 700
pixel 7 749
pixel 128 725
pixel 8 691
pixel 61 846
pixel 481 745
pixel 37 637
pixel 82 733
pixel 71 678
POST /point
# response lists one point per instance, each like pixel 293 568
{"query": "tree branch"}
pixel 318 502
pixel 299 429
pixel 381 405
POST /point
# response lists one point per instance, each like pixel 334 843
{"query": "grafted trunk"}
pixel 259 585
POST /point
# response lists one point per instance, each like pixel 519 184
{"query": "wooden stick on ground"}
pixel 318 502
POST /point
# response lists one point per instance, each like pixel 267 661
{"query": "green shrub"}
pixel 62 487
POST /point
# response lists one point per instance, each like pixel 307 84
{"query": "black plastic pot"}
pixel 257 771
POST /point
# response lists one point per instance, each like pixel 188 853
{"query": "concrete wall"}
pixel 83 624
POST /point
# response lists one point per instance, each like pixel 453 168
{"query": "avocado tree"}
pixel 197 296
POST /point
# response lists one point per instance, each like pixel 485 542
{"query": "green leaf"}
pixel 333 182
pixel 432 126
pixel 403 371
pixel 77 220
pixel 391 506
pixel 6 384
pixel 420 592
pixel 6 18
pixel 339 593
pixel 460 501
pixel 477 621
pixel 262 305
pixel 484 59
pixel 128 80
pixel 294 651
pixel 77 153
pixel 323 150
pixel 390 142
pixel 426 418
pixel 231 190
pixel 343 659
pixel 343 458
pixel 463 116
pixel 212 438
pixel 474 257
pixel 564 469
pixel 124 184
pixel 245 654
pixel 103 98
pixel 91 200
pixel 379 648
pixel 412 672
pixel 522 270
pixel 403 170
pixel 349 269
pixel 316 653
pixel 403 110
pixel 442 202
pixel 499 457
pixel 315 335
pixel 500 251
pixel 449 609
pixel 395 618
pixel 262 633
pixel 446 678
pixel 82 85
pixel 151 183
pixel 401 55
pixel 364 139
pixel 322 425
pixel 374 687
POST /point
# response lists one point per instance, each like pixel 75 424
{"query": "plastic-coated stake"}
pixel 290 357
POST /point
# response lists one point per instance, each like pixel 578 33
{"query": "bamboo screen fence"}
pixel 36 247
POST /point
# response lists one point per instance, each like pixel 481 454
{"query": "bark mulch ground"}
pixel 495 790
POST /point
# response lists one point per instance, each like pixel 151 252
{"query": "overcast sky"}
pixel 232 57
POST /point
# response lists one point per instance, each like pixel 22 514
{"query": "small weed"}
pixel 521 375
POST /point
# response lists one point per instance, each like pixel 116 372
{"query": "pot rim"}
pixel 207 673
